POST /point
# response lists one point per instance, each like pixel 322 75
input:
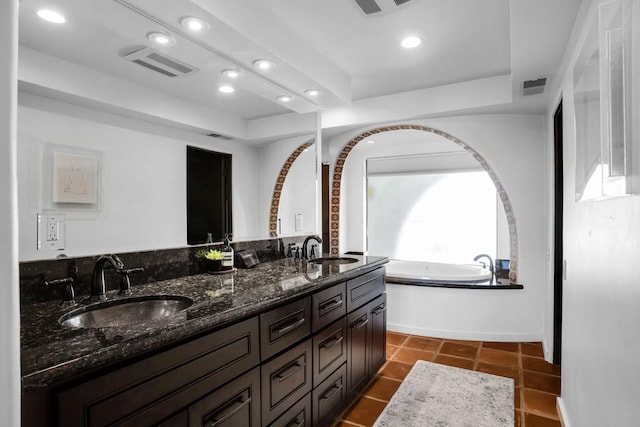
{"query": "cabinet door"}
pixel 330 398
pixel 378 312
pixel 358 350
pixel 235 404
pixel 284 326
pixel 285 380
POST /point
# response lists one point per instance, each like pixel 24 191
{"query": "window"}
pixel 439 217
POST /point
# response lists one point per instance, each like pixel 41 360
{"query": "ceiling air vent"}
pixel 374 6
pixel 159 62
pixel 534 87
pixel 217 135
pixel 368 6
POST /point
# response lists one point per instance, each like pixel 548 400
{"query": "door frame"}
pixel 558 258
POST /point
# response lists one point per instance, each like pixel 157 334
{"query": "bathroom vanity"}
pixel 286 343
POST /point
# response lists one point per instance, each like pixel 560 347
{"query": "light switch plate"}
pixel 51 231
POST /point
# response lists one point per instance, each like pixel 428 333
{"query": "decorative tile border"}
pixel 334 228
pixel 277 191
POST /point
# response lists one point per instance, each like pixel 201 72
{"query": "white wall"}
pixel 514 147
pixel 144 179
pixel 600 345
pixel 299 189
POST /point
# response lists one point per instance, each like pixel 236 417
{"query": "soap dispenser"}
pixel 227 254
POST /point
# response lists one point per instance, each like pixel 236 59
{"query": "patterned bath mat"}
pixel 444 396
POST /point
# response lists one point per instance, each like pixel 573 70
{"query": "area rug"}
pixel 444 396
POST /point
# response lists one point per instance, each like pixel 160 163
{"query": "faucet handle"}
pixel 125 283
pixel 69 295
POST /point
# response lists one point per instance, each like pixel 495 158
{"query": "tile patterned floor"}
pixel 537 383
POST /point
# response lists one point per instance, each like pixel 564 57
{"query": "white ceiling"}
pixel 473 58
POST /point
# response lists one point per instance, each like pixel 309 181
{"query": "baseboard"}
pixel 463 335
pixel 562 412
pixel 547 351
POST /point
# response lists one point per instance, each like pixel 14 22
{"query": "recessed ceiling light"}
pixel 226 89
pixel 51 16
pixel 196 25
pixel 232 73
pixel 410 42
pixel 161 39
pixel 263 64
pixel 312 92
pixel 285 98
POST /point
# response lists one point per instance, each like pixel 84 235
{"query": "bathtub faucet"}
pixel 487 257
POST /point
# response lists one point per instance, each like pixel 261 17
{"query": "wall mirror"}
pixel 294 202
pixel 137 152
pixel 209 202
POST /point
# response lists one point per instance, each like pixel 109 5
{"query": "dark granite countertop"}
pixel 51 353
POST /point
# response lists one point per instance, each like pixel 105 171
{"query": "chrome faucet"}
pixel 98 287
pixel 490 262
pixel 305 251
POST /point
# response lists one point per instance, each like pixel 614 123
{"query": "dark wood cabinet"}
pixel 180 419
pixel 378 315
pixel 285 379
pixel 298 364
pixel 235 404
pixel 284 326
pixel 358 350
pixel 150 390
pixel 362 289
pixel 329 350
pixel 328 305
pixel 366 329
pixel 330 397
pixel 299 415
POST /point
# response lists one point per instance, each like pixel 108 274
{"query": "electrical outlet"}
pixel 51 231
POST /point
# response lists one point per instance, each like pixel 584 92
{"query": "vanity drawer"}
pixel 285 379
pixel 152 389
pixel 284 326
pixel 330 398
pixel 234 404
pixel 328 305
pixel 364 288
pixel 299 415
pixel 329 350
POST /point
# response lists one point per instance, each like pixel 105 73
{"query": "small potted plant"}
pixel 212 258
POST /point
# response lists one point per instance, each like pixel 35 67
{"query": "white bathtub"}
pixel 422 272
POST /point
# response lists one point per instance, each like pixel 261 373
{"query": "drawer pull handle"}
pixel 331 305
pixel 227 411
pixel 332 391
pixel 289 371
pixel 359 324
pixel 298 421
pixel 290 327
pixel 333 342
pixel 378 309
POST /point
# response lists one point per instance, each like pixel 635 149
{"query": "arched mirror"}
pixel 293 208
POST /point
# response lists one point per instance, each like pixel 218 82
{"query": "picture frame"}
pixel 75 178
